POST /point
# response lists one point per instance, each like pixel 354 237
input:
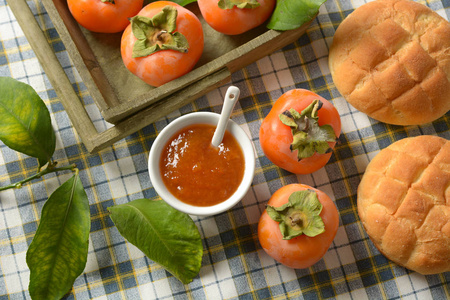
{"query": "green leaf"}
pixel 58 253
pixel 25 123
pixel 291 14
pixel 308 136
pixel 164 234
pixel 301 215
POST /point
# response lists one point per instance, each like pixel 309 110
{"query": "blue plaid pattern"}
pixel 234 265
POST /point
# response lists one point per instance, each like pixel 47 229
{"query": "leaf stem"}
pixel 51 168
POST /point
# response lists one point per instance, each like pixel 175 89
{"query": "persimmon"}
pixel 233 17
pixel 163 42
pixel 300 131
pixel 107 16
pixel 298 225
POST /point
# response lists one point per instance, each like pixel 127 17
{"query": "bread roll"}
pixel 390 59
pixel 404 203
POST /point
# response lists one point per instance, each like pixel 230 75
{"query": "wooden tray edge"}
pixel 110 107
pixel 92 139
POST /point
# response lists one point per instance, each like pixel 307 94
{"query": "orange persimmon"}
pixel 164 41
pixel 300 131
pixel 306 222
pixel 233 17
pixel 108 16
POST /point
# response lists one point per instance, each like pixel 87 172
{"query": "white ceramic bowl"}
pixel 168 132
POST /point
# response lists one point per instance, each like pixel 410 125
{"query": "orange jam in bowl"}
pixel 208 180
pixel 198 173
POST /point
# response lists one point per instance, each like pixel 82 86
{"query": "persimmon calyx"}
pixel 157 33
pixel 229 4
pixel 110 1
pixel 308 136
pixel 301 215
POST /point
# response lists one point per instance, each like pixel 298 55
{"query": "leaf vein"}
pixel 153 228
pixel 27 129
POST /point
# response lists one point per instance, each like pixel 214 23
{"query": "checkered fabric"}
pixel 234 264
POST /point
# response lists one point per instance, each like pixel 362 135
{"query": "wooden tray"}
pixel 122 98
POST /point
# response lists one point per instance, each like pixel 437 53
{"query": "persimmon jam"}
pixel 198 173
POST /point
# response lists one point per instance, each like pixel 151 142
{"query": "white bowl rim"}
pixel 201 118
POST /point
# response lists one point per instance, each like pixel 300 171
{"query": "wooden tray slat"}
pixel 81 54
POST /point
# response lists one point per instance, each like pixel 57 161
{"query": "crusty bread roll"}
pixel 390 59
pixel 404 203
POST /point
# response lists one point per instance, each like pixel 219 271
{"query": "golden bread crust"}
pixel 404 203
pixel 390 59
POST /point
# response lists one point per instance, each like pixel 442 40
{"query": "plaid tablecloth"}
pixel 234 265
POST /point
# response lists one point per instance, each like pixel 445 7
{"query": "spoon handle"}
pixel 231 97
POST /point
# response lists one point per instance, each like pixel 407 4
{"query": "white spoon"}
pixel 231 97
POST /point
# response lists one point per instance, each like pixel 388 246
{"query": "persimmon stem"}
pixel 51 168
pixel 296 221
pixel 160 34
